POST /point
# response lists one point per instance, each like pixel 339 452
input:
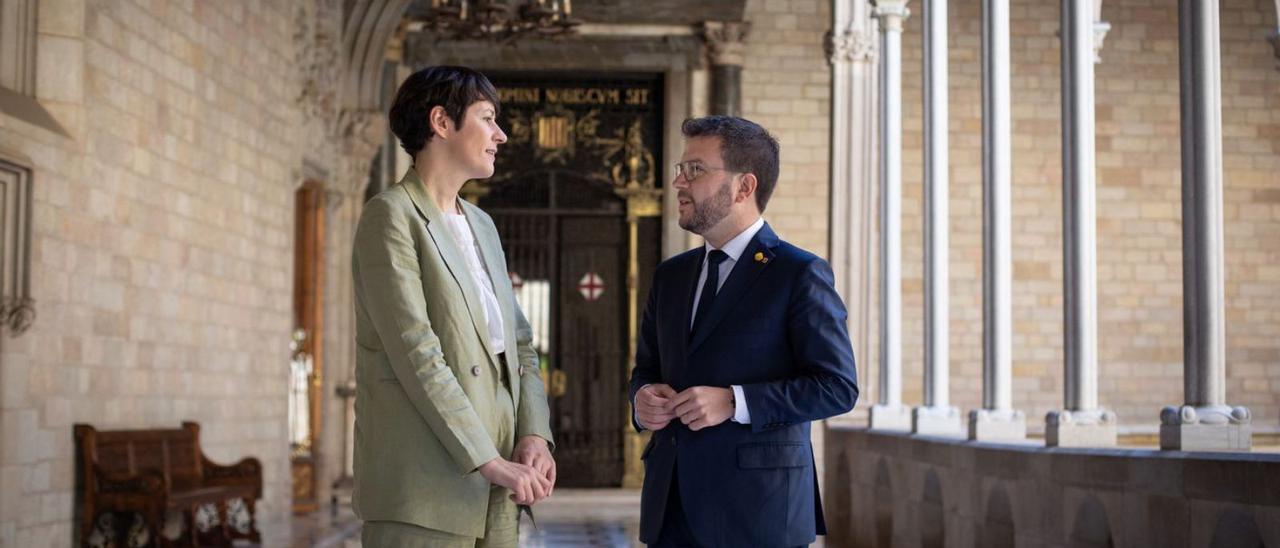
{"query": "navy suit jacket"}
pixel 777 328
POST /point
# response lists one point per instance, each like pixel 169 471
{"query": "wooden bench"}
pixel 152 472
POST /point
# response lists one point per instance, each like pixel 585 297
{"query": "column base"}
pixel 997 425
pixel 1080 428
pixel 1206 428
pixel 936 421
pixel 891 417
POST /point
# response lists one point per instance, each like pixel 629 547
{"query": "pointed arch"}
pixel 933 513
pixel 1092 529
pixel 368 27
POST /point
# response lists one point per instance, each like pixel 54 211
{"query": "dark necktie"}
pixel 709 287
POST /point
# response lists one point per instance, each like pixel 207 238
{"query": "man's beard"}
pixel 711 211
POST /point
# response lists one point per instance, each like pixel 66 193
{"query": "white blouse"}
pixel 466 241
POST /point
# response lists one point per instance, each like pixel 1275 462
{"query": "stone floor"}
pixel 597 518
pixel 571 518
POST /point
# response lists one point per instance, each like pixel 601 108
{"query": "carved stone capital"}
pixel 891 13
pixel 726 41
pixel 1100 29
pixel 849 46
pixel 361 132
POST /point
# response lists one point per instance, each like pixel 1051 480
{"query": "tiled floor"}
pixel 571 518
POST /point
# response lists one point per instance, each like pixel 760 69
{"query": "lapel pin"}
pixel 760 258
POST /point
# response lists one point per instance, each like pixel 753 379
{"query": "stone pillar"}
pixel 1204 422
pixel 1080 422
pixel 851 51
pixel 997 419
pixel 726 44
pixel 936 416
pixel 889 413
pixel 358 134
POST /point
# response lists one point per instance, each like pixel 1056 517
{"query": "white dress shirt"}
pixel 466 241
pixel 733 248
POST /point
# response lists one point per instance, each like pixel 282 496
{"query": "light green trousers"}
pixel 501 530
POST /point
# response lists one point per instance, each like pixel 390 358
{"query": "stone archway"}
pixel 1092 529
pixel 884 496
pixel 933 516
pixel 1236 529
pixel 996 530
pixel 840 512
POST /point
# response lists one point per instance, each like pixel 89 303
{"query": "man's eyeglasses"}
pixel 691 170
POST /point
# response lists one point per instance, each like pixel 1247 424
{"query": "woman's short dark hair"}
pixel 745 147
pixel 454 88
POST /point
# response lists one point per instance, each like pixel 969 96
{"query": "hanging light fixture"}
pixel 502 21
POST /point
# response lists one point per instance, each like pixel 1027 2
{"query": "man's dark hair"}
pixel 745 146
pixel 454 88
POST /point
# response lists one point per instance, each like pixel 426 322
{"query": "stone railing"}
pixel 894 489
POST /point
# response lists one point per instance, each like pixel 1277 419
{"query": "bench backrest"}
pixel 173 452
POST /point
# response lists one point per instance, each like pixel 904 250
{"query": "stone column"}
pixel 997 419
pixel 726 44
pixel 851 51
pixel 1080 422
pixel 936 416
pixel 889 413
pixel 1204 422
pixel 358 134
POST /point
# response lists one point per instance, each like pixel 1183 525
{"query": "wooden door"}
pixel 308 365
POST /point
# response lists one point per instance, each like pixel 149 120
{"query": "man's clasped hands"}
pixel 697 407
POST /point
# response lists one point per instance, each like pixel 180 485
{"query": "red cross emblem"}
pixel 591 286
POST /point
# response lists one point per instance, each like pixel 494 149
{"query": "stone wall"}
pixel 1139 212
pixel 786 87
pixel 162 261
pixel 898 490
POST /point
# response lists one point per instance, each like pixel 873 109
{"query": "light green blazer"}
pixel 426 374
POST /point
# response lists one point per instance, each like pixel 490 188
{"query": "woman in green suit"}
pixel 452 426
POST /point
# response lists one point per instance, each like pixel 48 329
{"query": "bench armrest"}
pixel 246 472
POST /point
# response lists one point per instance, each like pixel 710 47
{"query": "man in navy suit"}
pixel 743 343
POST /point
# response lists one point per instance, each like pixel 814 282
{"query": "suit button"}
pixel 475 371
pixel 520 370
